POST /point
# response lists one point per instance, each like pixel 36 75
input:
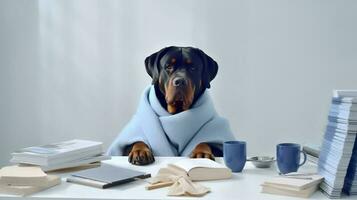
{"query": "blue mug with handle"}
pixel 288 157
pixel 235 155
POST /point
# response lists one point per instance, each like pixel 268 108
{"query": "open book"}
pixel 200 169
pixel 181 174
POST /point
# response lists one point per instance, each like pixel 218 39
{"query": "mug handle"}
pixel 303 162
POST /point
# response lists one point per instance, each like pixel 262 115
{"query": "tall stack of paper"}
pixel 61 155
pixel 338 142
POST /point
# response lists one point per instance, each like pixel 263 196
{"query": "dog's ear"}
pixel 152 65
pixel 152 68
pixel 210 69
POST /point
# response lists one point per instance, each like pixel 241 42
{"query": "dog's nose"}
pixel 179 81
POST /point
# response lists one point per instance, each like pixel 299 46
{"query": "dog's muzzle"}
pixel 179 94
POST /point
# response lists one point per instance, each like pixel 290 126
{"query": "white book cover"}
pixel 56 153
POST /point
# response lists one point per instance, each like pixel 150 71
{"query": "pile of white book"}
pixel 67 154
pixel 293 184
pixel 338 142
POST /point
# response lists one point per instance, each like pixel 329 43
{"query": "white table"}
pixel 244 185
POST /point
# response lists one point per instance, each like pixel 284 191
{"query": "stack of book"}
pixel 338 142
pixel 72 153
pixel 293 184
pixel 25 180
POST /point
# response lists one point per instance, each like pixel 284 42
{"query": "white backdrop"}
pixel 74 69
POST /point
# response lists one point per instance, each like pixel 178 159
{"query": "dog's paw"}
pixel 202 151
pixel 140 154
pixel 202 155
pixel 141 157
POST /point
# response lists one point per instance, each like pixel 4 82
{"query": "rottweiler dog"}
pixel 179 75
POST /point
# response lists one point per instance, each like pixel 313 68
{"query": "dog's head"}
pixel 181 74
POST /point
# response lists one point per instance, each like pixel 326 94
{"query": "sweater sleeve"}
pixel 214 132
pixel 129 135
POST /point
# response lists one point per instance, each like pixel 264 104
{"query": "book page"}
pixel 188 163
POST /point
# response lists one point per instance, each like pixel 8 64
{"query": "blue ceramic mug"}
pixel 288 157
pixel 235 155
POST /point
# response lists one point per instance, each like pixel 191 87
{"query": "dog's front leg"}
pixel 140 154
pixel 202 150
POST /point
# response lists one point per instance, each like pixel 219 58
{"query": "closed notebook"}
pixel 305 193
pixel 200 169
pixel 296 184
pixel 106 176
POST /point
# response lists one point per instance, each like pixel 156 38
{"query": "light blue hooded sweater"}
pixel 173 134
